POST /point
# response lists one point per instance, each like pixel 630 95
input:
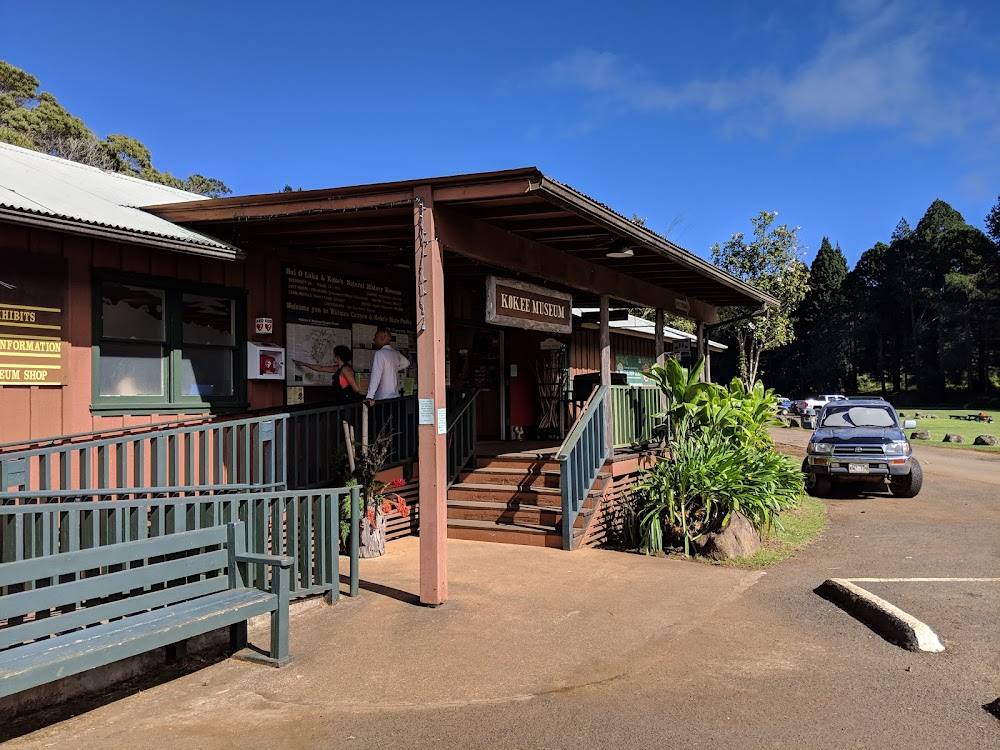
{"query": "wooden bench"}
pixel 79 610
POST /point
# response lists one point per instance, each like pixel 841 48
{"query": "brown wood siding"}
pixel 585 349
pixel 35 412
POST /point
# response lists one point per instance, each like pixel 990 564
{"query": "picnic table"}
pixel 973 417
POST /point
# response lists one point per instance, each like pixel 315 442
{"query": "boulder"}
pixel 738 539
pixel 932 416
pixel 920 435
pixel 902 413
pixel 918 415
pixel 986 440
pixel 953 438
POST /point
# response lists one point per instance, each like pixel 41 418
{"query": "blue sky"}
pixel 843 117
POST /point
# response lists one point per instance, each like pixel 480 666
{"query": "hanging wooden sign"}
pixel 521 305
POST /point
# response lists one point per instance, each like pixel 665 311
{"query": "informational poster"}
pixel 635 367
pixel 311 346
pixel 33 336
pixel 325 309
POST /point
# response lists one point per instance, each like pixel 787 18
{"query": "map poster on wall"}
pixel 324 309
pixel 309 347
pixel 33 335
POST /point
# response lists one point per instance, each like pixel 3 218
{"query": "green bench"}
pixel 71 612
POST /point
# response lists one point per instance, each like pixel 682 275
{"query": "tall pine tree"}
pixel 823 353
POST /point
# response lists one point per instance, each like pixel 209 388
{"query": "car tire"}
pixel 817 485
pixel 909 486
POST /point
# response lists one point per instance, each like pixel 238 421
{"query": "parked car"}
pixel 816 402
pixel 861 440
pixel 784 405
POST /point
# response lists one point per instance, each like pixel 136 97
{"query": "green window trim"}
pixel 171 400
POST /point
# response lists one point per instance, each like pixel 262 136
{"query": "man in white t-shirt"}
pixel 387 363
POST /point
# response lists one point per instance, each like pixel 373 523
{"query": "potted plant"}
pixel 378 497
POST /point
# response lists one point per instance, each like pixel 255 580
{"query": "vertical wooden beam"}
pixel 661 357
pixel 700 343
pixel 433 446
pixel 658 338
pixel 606 369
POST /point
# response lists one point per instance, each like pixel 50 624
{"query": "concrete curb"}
pixel 887 620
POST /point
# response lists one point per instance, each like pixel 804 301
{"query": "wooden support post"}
pixel 609 429
pixel 661 357
pixel 433 443
pixel 700 343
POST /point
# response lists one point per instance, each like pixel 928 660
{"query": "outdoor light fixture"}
pixel 619 249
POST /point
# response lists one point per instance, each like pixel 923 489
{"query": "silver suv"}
pixel 861 440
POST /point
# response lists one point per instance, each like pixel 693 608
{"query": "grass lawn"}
pixel 944 424
pixel 799 526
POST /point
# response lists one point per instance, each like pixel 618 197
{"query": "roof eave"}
pixel 113 234
pixel 570 199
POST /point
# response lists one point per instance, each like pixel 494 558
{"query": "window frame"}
pixel 171 401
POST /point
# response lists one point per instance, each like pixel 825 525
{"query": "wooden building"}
pixel 202 309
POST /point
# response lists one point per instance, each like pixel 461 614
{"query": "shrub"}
pixel 722 462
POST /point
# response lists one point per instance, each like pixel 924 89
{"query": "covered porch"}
pixel 450 241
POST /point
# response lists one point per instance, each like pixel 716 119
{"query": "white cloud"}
pixel 882 65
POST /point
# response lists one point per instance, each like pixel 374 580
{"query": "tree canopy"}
pixel 919 312
pixel 771 263
pixel 34 119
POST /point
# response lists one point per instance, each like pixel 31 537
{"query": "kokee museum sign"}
pixel 521 305
pixel 33 346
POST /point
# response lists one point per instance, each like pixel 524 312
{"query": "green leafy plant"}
pixel 722 461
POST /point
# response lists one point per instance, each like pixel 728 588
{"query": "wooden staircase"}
pixel 515 498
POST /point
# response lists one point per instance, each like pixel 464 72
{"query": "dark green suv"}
pixel 861 440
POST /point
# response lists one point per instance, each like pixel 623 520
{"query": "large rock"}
pixel 986 440
pixel 951 437
pixel 920 435
pixel 738 539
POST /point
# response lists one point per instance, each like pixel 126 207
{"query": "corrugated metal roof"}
pixel 648 327
pixel 38 185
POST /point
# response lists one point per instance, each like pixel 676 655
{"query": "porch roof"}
pixel 354 223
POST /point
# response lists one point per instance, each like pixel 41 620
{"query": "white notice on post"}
pixel 442 421
pixel 426 411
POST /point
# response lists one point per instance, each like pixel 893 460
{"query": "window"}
pixel 163 347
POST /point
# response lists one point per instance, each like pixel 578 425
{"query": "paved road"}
pixel 782 667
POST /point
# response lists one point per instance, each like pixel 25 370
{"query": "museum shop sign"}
pixel 521 305
pixel 33 346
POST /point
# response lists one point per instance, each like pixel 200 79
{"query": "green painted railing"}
pixel 633 409
pixel 303 525
pixel 399 417
pixel 461 435
pixel 315 441
pixel 581 457
pixel 249 451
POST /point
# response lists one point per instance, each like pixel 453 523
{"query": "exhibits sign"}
pixel 33 346
pixel 521 305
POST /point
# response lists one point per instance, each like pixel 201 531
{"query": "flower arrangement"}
pixel 380 496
